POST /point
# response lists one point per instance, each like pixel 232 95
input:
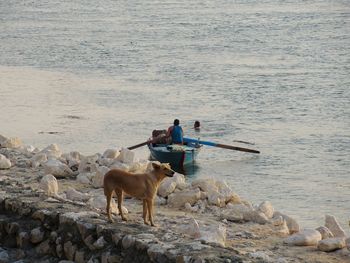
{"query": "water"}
pixel 92 75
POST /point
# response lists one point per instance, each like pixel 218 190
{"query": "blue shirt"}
pixel 176 134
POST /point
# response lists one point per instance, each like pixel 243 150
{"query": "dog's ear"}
pixel 155 166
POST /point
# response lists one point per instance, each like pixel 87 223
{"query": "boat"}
pixel 176 155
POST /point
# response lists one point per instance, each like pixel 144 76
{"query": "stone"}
pixel 256 216
pixel 97 180
pixel 292 224
pixel 325 232
pixel 235 212
pixel 128 241
pixel 43 248
pixel 216 198
pixel 333 225
pixel 261 256
pixel 100 202
pixel 266 208
pixel 36 235
pixel 69 250
pixel 57 168
pixel 52 151
pixel 11 143
pixel 74 195
pixel 179 199
pixel 38 159
pixel 72 217
pixel 86 229
pixel 79 256
pixel 214 235
pixel 166 187
pixel 4 256
pixel 227 192
pixel 205 185
pixel 23 239
pixel 307 237
pixel 191 228
pixel 100 243
pixel 126 156
pixel 331 244
pixel 85 178
pixel 88 164
pixel 4 162
pixel 110 153
pixel 49 185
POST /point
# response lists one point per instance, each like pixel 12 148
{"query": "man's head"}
pixel 176 122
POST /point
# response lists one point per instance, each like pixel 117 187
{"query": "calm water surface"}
pixel 274 73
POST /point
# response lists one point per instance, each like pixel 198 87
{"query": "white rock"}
pixel 292 224
pixel 307 237
pixel 52 151
pixel 227 192
pixel 138 167
pixel 97 180
pixel 4 162
pixel 75 195
pixel 111 153
pixel 333 225
pixel 325 232
pixel 190 208
pixel 99 243
pixel 179 199
pixel 38 159
pixel 72 158
pixel 331 244
pixel 27 149
pixel 205 185
pixel 85 178
pixel 216 198
pixel 49 185
pixel 71 217
pixel 11 143
pixel 235 212
pixel 266 208
pixel 58 169
pixel 179 180
pixel 215 234
pixel 120 165
pixel 88 164
pixel 166 187
pixel 191 228
pixel 256 216
pixel 160 200
pixel 126 156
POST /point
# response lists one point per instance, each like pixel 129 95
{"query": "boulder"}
pixel 166 187
pixel 52 151
pixel 235 212
pixel 214 234
pixel 36 235
pixel 331 244
pixel 227 192
pixel 292 224
pixel 256 216
pixel 58 169
pixel 110 153
pixel 333 225
pixel 4 162
pixel 179 199
pixel 205 185
pixel 97 180
pixel 126 156
pixel 325 232
pixel 88 164
pixel 74 195
pixel 266 208
pixel 85 178
pixel 100 202
pixel 49 185
pixel 11 142
pixel 72 159
pixel 307 237
pixel 191 228
pixel 38 159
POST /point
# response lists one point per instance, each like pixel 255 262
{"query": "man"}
pixel 176 133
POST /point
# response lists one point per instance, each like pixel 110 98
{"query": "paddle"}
pixel 225 146
pixel 154 140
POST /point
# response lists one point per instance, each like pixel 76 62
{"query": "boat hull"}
pixel 176 155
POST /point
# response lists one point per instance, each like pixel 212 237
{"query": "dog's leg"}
pixel 108 207
pixel 119 193
pixel 150 211
pixel 145 212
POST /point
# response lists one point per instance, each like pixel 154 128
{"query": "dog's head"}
pixel 163 168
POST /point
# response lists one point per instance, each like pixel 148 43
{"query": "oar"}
pixel 225 146
pixel 244 142
pixel 139 145
pixel 154 140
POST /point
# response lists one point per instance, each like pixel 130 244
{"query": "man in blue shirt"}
pixel 176 133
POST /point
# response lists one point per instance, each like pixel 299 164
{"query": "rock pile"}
pixel 53 205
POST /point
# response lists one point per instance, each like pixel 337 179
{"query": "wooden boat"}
pixel 176 155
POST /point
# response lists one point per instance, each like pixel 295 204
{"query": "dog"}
pixel 140 185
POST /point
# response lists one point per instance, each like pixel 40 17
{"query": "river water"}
pixel 91 75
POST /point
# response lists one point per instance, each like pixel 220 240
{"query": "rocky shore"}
pixel 52 209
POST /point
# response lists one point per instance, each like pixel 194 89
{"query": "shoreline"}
pixel 205 214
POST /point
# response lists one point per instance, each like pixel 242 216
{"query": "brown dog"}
pixel 143 186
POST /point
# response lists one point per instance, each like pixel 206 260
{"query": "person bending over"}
pixel 176 133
